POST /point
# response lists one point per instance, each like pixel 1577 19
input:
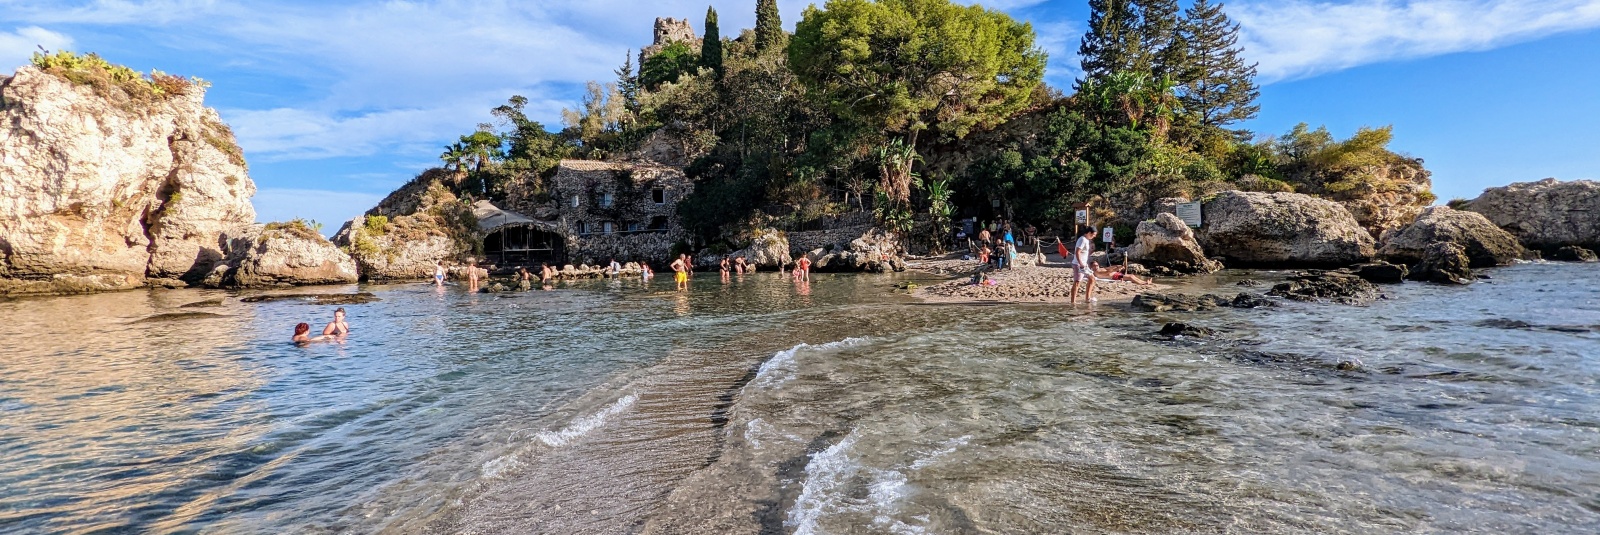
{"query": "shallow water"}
pixel 759 407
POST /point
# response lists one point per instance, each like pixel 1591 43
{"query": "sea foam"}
pixel 782 366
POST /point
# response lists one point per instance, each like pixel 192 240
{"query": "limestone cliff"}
pixel 417 225
pixel 102 186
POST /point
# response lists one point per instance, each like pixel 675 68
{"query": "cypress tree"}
pixel 711 45
pixel 1217 85
pixel 769 27
pixel 1113 42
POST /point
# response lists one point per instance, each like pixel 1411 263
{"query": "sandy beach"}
pixel 1048 282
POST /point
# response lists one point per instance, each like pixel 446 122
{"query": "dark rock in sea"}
pixel 1381 272
pixel 1174 330
pixel 1573 253
pixel 1250 300
pixel 1249 282
pixel 1444 263
pixel 1339 287
pixel 316 299
pixel 1503 323
pixel 493 288
pixel 1157 302
pixel 177 316
pixel 1348 365
pixel 207 303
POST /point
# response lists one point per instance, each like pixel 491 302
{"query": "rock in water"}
pixel 278 255
pixel 1573 253
pixel 1444 263
pixel 360 298
pixel 1174 330
pixel 415 226
pixel 1547 214
pixel 768 249
pixel 104 187
pixel 1343 288
pixel 1167 242
pixel 1381 272
pixel 1486 244
pixel 1282 229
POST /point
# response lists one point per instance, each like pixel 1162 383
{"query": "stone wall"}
pixel 639 201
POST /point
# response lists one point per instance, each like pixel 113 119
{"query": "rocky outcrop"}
pixel 1486 245
pixel 1545 215
pixel 1175 302
pixel 280 255
pixel 1380 272
pixel 1573 253
pixel 769 249
pixel 1445 263
pixel 106 185
pixel 667 31
pixel 1282 229
pixel 1339 287
pixel 1167 242
pixel 876 251
pixel 419 224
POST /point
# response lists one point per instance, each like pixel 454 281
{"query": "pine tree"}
pixel 711 45
pixel 1161 49
pixel 1112 43
pixel 628 85
pixel 1217 85
pixel 769 27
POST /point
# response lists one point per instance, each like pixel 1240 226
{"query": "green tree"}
pixel 904 66
pixel 769 26
pixel 711 45
pixel 1217 85
pixel 667 65
pixel 1114 41
pixel 628 84
pixel 599 119
pixel 1163 51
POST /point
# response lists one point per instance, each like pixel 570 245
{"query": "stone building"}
pixel 668 31
pixel 596 211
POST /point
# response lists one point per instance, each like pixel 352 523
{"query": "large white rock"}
pixel 1485 244
pixel 258 256
pixel 98 190
pixel 1282 229
pixel 1547 214
pixel 1166 241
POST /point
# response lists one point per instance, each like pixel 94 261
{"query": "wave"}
pixel 583 425
pixel 831 475
pixel 782 366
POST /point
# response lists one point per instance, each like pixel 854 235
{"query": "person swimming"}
pixel 302 334
pixel 337 327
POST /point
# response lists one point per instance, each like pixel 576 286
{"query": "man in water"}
pixel 1081 271
pixel 337 327
pixel 680 267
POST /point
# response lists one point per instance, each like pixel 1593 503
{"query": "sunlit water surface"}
pixel 755 406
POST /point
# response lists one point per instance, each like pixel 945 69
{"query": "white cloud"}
pixel 331 208
pixel 1300 38
pixel 1060 40
pixel 18 46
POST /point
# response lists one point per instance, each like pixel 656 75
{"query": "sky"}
pixel 338 103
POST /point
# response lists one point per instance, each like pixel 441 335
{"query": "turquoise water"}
pixel 756 406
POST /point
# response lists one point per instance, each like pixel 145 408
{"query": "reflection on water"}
pixel 757 405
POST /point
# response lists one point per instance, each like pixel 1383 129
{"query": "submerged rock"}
pixel 1545 215
pixel 1174 330
pixel 1573 253
pixel 1444 263
pixel 359 298
pixel 1282 229
pixel 1381 272
pixel 1486 245
pixel 1166 242
pixel 1343 288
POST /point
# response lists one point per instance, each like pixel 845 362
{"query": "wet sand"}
pixel 1048 282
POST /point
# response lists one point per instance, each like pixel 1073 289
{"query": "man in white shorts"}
pixel 1080 266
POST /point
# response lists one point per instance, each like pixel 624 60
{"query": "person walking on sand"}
pixel 680 270
pixel 438 274
pixel 337 327
pixel 1082 273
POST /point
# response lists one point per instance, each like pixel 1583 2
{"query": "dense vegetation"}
pixel 108 78
pixel 922 111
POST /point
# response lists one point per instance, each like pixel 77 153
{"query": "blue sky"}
pixel 336 104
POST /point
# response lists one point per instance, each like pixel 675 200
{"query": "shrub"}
pixel 376 223
pixel 105 77
pixel 297 227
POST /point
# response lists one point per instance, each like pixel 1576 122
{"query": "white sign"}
pixel 1106 236
pixel 1190 214
pixel 1083 217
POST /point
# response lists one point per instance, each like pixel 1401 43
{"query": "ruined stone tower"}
pixel 668 31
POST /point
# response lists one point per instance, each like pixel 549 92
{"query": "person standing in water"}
pixel 1082 273
pixel 680 268
pixel 337 327
pixel 472 275
pixel 615 269
pixel 802 269
pixel 438 274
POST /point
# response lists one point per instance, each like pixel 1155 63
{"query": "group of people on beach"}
pixel 336 330
pixel 996 249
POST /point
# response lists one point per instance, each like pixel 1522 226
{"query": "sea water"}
pixel 755 405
